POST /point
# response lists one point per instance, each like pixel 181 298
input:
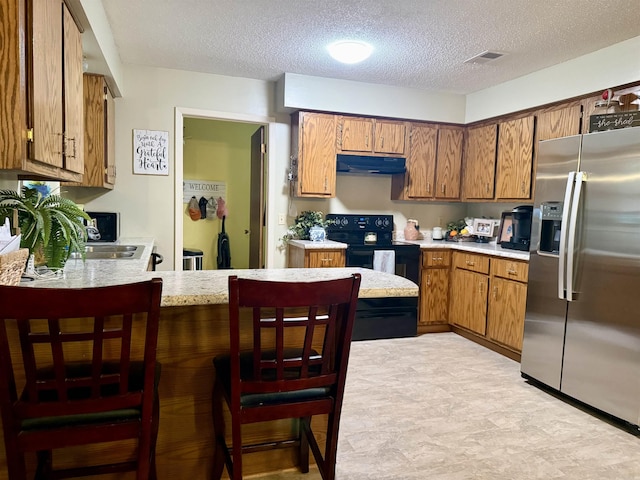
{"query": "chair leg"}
pixel 304 444
pixel 236 452
pixel 16 465
pixel 331 447
pixel 45 464
pixel 218 433
pixel 153 475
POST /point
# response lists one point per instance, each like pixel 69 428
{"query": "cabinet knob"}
pixel 470 263
pixel 429 280
pixel 495 293
pixel 512 272
pixel 382 142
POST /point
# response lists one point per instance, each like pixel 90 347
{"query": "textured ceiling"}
pixel 418 43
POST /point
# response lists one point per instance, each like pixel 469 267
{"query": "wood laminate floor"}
pixel 440 407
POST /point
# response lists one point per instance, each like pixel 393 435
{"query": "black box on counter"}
pixel 612 121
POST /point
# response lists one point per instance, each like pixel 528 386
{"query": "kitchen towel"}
pixel 384 261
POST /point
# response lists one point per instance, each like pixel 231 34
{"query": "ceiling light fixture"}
pixel 350 51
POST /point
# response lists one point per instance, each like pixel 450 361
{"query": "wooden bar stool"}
pixel 78 367
pixel 296 367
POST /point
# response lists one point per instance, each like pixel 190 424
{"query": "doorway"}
pixel 228 150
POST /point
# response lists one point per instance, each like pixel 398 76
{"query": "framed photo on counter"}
pixel 506 227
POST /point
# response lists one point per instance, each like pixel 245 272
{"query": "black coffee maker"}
pixel 521 228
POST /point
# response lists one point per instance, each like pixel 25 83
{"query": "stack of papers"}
pixel 8 243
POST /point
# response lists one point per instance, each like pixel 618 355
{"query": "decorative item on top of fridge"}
pixel 611 113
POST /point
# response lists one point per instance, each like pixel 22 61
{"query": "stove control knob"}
pixel 345 221
pixel 386 222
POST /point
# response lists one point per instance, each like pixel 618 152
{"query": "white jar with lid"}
pixel 606 106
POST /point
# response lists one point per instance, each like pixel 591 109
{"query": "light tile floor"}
pixel 440 407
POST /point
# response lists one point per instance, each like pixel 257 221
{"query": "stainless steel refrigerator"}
pixel 582 323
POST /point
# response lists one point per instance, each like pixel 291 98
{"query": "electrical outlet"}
pixel 282 218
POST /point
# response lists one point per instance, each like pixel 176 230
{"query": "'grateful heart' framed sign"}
pixel 150 152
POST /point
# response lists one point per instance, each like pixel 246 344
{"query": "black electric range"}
pixel 364 234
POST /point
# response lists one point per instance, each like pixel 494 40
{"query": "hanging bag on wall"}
pixel 224 250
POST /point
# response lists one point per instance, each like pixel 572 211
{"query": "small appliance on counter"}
pixel 515 228
pixel 104 227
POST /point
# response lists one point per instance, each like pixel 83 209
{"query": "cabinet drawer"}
pixel 511 269
pixel 325 258
pixel 472 262
pixel 436 258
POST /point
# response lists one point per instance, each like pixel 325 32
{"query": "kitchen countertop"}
pixel 202 287
pixel 485 248
pixel 325 245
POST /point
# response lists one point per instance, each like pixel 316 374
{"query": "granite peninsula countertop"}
pixel 203 287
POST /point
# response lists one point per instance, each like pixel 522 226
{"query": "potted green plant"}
pixel 300 229
pixel 51 226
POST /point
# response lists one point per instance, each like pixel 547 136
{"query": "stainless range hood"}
pixel 370 165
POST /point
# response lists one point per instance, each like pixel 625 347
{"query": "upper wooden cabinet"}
pixel 419 180
pixel 99 134
pixel 313 150
pixel 360 135
pixel 434 164
pixel 514 168
pixel 449 162
pixel 480 163
pixel 559 122
pixel 41 131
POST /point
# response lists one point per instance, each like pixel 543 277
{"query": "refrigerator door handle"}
pixel 575 206
pixel 562 254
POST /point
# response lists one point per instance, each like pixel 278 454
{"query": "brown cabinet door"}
pixel 73 101
pixel 449 163
pixel 468 302
pixel 562 122
pixel 507 304
pixel 436 258
pixel 46 89
pixel 317 156
pixel 480 162
pixel 421 162
pixel 356 134
pixel 434 296
pixel 110 164
pixel 99 167
pixel 389 137
pixel 515 159
pixel 470 261
pixel 325 258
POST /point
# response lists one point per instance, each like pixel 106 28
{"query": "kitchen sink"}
pixel 110 252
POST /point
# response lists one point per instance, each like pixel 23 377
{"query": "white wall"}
pixel 606 68
pixel 302 92
pixel 146 203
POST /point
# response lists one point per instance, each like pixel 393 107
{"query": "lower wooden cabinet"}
pixel 316 258
pixel 507 302
pixel 488 297
pixel 434 287
pixel 468 302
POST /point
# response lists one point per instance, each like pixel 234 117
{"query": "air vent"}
pixel 484 57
